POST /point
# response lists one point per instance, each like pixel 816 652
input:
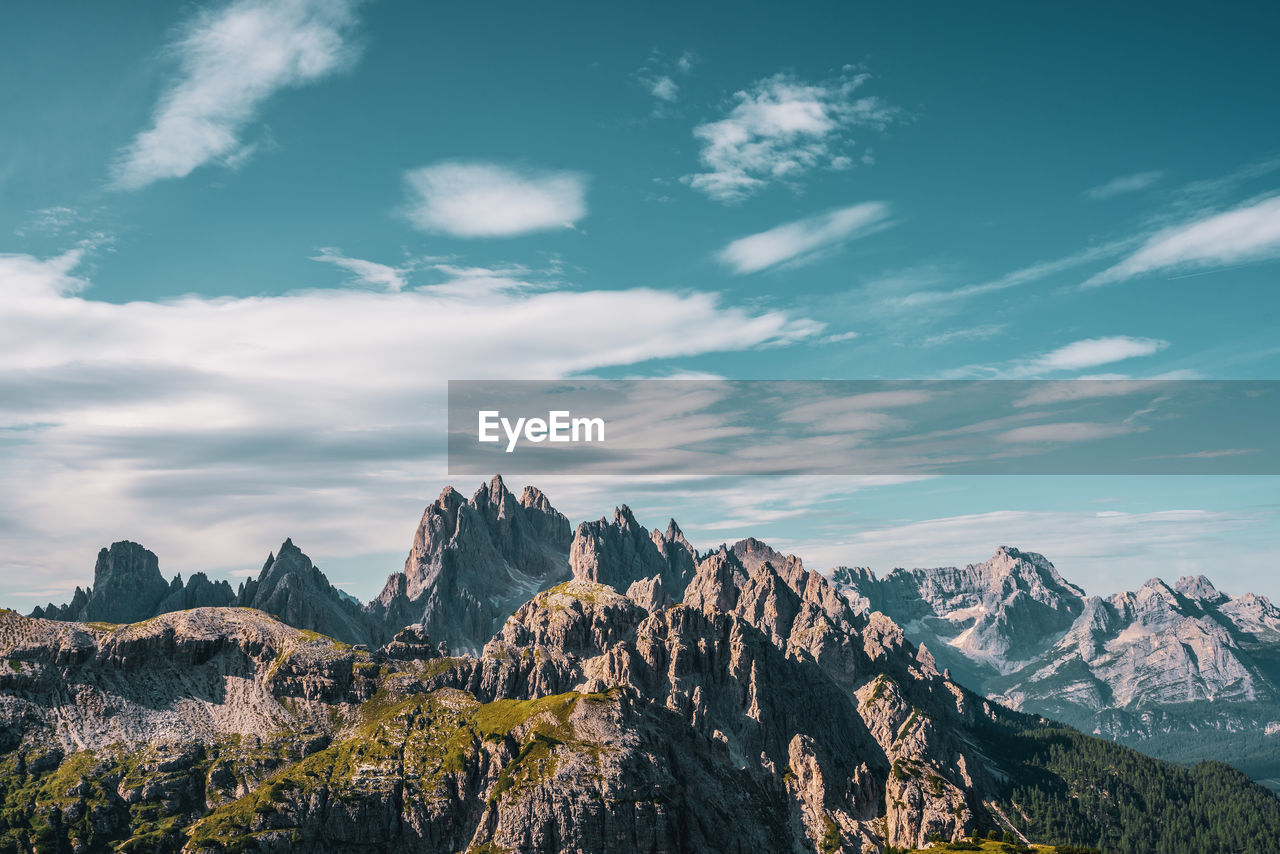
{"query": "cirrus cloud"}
pixel 1250 232
pixel 803 238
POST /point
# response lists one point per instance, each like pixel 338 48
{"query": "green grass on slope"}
pixel 424 739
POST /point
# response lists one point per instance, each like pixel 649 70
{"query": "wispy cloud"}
pixel 1248 233
pixel 982 332
pixel 1076 356
pixel 443 276
pixel 1124 184
pixel 472 199
pixel 367 272
pixel 659 76
pixel 1210 455
pixel 781 128
pixel 231 60
pixel 1092 352
pixel 799 240
pixel 53 221
pixel 1065 431
pixel 1016 278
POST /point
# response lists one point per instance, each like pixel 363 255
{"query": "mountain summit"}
pixel 473 561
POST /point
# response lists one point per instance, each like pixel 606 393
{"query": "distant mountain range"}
pixel 518 688
pixel 1185 672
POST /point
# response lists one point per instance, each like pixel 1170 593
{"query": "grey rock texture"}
pixel 993 616
pixel 620 552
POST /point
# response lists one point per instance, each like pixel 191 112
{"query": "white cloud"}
pixel 1210 455
pixel 982 332
pixel 1124 184
pixel 211 428
pixel 781 128
pixel 25 277
pixel 798 240
pixel 231 60
pixel 1247 233
pixel 470 199
pixel 1092 352
pixel 1065 431
pixel 1015 278
pixel 665 89
pixel 658 77
pixel 368 272
pixel 1076 356
pixel 1066 391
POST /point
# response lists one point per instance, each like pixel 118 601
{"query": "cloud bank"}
pixel 211 428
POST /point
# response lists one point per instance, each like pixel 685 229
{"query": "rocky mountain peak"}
pixel 294 590
pixel 754 553
pixel 858 586
pixel 472 561
pixel 1033 570
pixel 127 585
pixel 533 498
pixel 986 616
pixel 1155 598
pixel 495 498
pixel 717 583
pixel 673 533
pixel 1200 589
pixel 621 552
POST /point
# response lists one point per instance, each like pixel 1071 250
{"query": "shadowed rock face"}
pixel 473 562
pixel 297 593
pixel 127 587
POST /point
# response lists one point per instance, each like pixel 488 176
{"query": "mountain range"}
pixel 520 688
pixel 1185 672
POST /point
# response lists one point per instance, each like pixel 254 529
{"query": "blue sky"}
pixel 243 245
